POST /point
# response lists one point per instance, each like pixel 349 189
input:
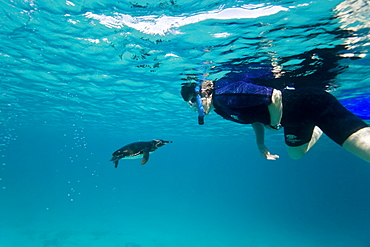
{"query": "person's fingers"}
pixel 272 157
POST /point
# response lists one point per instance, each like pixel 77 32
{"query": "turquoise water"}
pixel 81 79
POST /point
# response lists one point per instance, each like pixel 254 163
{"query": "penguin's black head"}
pixel 160 143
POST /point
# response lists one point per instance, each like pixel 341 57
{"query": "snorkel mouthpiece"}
pixel 199 105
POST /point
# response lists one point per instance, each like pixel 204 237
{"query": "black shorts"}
pixel 305 108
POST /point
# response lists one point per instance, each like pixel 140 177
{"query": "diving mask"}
pixel 199 105
pixel 199 98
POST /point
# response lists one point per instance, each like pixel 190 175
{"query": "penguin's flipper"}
pixel 116 163
pixel 145 157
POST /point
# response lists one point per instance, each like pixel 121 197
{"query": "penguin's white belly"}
pixel 139 156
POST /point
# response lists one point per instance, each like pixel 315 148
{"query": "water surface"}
pixel 81 79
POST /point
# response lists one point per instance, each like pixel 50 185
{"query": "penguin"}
pixel 137 150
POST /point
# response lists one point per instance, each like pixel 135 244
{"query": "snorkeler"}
pixel 304 113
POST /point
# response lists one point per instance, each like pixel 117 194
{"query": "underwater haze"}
pixel 81 79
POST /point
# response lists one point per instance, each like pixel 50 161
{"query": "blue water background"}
pixel 82 79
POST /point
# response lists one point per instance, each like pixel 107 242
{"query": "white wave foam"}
pixel 162 25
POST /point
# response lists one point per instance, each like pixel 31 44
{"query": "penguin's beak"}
pixel 164 142
pixel 161 143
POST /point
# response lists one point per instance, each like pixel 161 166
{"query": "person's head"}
pixel 191 91
pixel 189 94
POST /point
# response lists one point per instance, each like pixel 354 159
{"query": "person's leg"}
pixel 359 144
pixel 298 152
pixel 299 111
pixel 342 126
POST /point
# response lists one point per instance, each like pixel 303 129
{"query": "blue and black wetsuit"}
pixel 242 102
pixel 303 109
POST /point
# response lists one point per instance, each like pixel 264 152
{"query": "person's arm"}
pixel 260 140
pixel 275 109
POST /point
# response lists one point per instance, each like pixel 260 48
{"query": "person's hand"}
pixel 266 153
pixel 269 156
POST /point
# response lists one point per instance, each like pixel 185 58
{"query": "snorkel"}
pixel 199 105
pixel 202 78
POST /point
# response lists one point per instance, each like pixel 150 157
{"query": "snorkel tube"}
pixel 199 105
pixel 202 78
